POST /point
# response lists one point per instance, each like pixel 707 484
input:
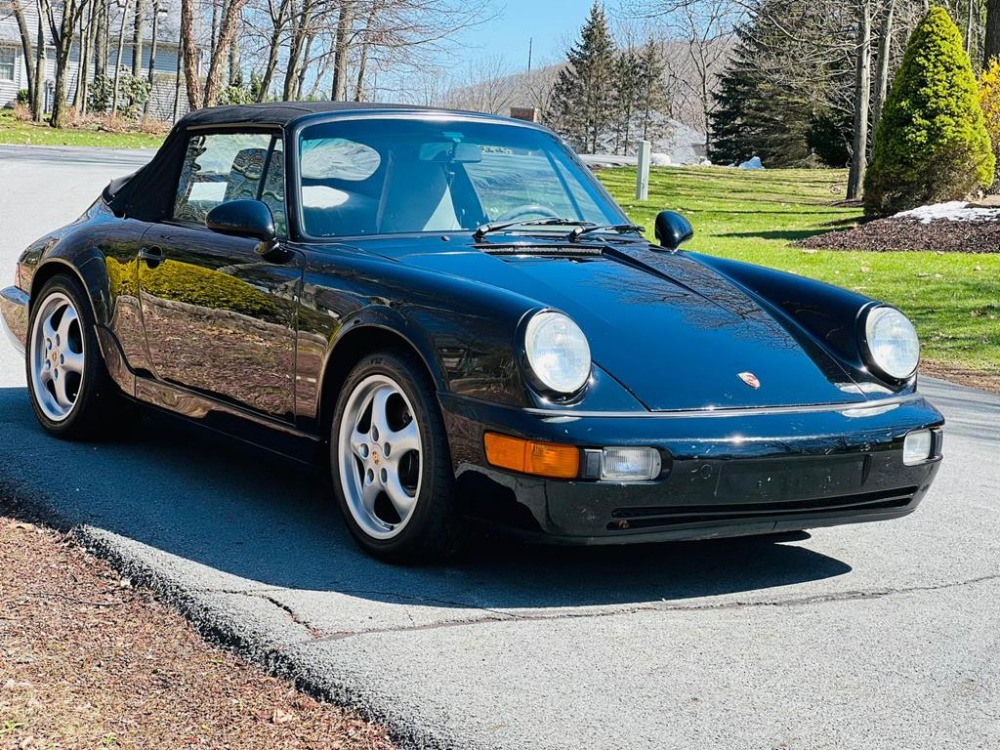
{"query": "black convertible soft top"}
pixel 147 194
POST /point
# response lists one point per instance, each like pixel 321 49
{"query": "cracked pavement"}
pixel 880 635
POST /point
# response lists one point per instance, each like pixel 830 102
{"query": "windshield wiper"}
pixel 580 231
pixel 485 229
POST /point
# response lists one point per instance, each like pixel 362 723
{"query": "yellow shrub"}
pixel 989 100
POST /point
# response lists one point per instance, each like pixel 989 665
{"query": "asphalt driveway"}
pixel 883 635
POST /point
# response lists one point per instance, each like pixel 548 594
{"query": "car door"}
pixel 218 318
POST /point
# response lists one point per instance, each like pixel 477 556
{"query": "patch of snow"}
pixel 754 163
pixel 660 160
pixel 951 211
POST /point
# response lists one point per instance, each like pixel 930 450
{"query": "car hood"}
pixel 675 333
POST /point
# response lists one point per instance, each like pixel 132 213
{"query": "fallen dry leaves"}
pixel 87 661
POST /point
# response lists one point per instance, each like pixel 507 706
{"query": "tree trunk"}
pixel 151 75
pixel 991 48
pixel 82 65
pixel 359 88
pixel 862 100
pixel 177 79
pixel 235 62
pixel 101 42
pixel 301 79
pixel 884 53
pixel 25 33
pixel 138 29
pixel 118 59
pixel 220 55
pixel 64 45
pixel 273 50
pixel 300 31
pixel 191 80
pixel 341 49
pixel 38 98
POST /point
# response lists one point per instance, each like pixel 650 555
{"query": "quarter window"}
pixel 225 167
pixel 8 58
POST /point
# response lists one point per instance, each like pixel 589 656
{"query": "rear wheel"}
pixel 70 390
pixel 392 472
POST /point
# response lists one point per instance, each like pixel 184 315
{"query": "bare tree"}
pixel 991 48
pixel 118 57
pixel 188 32
pixel 220 53
pixel 62 27
pixel 862 100
pixel 17 9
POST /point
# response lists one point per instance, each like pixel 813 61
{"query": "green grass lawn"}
pixel 17 132
pixel 953 298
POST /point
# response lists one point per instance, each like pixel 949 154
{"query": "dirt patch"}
pixel 984 381
pixel 893 234
pixel 88 661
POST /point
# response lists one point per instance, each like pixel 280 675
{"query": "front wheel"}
pixel 392 472
pixel 71 393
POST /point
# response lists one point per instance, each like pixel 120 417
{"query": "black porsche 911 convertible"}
pixel 453 312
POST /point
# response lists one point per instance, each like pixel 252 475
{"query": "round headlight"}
pixel 558 352
pixel 892 342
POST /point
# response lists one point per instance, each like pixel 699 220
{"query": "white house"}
pixel 14 76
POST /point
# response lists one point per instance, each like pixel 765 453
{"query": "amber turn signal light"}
pixel 530 457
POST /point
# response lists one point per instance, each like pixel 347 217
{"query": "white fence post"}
pixel 642 175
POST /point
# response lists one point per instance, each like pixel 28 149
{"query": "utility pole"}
pixel 531 41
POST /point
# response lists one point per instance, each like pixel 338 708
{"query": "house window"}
pixel 7 58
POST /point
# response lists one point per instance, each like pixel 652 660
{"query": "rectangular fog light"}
pixel 630 464
pixel 917 447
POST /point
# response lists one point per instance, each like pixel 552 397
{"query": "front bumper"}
pixel 748 473
pixel 14 315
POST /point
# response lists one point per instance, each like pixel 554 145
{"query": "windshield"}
pixel 388 176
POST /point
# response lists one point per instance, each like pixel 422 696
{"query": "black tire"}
pixel 432 529
pixel 99 408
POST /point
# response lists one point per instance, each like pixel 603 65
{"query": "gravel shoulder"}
pixel 87 660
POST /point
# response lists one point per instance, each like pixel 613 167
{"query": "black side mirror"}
pixel 672 229
pixel 243 218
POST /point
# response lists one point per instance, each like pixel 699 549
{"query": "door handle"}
pixel 152 255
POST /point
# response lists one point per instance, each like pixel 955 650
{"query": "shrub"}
pixel 931 144
pixel 989 100
pixel 133 92
pixel 23 97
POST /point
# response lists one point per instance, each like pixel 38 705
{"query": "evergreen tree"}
pixel 584 95
pixel 628 93
pixel 931 144
pixel 654 95
pixel 778 98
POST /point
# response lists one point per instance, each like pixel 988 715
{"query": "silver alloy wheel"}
pixel 380 457
pixel 58 356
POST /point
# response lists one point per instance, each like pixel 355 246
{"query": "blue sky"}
pixel 553 24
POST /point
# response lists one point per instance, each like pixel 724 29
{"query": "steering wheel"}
pixel 526 210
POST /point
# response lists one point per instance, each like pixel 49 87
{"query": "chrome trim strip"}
pixel 851 410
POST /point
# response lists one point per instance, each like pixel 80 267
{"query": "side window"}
pixel 219 168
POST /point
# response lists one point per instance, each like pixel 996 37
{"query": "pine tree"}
pixel 584 94
pixel 931 144
pixel 628 91
pixel 654 101
pixel 772 104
